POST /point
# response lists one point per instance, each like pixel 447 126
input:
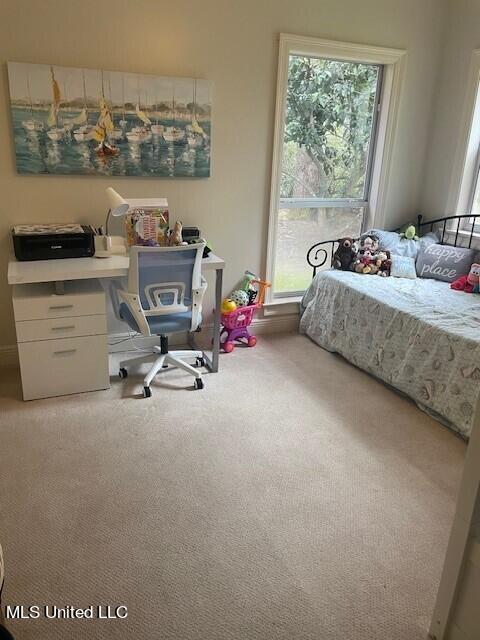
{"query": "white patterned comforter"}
pixel 419 336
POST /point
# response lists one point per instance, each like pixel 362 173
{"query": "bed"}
pixel 419 336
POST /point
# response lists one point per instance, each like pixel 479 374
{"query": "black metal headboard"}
pixel 460 228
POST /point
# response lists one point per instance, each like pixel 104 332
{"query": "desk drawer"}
pixel 60 367
pixel 38 302
pixel 31 330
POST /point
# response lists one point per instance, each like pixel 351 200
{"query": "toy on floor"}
pixel 235 323
pixel 228 305
pixel 240 297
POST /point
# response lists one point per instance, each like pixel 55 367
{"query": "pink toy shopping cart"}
pixel 235 324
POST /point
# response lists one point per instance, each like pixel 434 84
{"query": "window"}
pixel 464 197
pixel 330 98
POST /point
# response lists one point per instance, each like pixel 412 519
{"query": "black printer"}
pixel 49 241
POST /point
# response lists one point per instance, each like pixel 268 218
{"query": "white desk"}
pixel 71 269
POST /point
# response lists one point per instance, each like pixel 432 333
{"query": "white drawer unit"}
pixel 62 339
pixel 39 301
pixel 74 327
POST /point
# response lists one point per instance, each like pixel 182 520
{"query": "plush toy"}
pixel 240 297
pixel 248 278
pixel 176 236
pixel 344 255
pixel 409 232
pixel 384 263
pixel 470 283
pixel 367 249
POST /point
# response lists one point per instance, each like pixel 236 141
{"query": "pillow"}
pixel 403 267
pixel 391 241
pixel 445 263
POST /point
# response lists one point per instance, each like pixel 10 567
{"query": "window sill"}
pixel 282 306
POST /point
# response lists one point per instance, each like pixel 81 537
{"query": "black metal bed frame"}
pixel 318 255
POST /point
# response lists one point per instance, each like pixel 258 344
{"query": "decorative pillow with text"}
pixel 442 262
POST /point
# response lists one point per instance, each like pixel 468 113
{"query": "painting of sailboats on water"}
pixel 83 121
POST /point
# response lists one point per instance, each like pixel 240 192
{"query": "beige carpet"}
pixel 294 497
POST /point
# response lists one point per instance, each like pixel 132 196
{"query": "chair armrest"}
pixel 197 297
pixel 132 301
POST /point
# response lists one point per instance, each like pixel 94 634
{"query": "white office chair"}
pixel 165 293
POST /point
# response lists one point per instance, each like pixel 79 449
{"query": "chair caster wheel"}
pixel 200 362
pixel 198 384
pixel 147 392
pixel 122 373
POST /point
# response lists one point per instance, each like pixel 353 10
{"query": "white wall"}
pixel 233 44
pixel 462 36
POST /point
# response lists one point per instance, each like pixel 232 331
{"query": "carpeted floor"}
pixel 293 498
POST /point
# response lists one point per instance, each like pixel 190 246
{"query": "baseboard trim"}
pixel 118 342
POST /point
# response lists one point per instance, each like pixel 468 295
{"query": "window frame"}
pixel 392 62
pixel 466 166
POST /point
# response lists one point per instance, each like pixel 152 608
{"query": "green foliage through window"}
pixel 328 128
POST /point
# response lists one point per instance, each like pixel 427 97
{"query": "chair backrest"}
pixel 163 277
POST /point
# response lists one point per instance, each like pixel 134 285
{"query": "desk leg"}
pixel 216 319
pixel 212 363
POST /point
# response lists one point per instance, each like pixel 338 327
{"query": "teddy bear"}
pixel 470 283
pixel 344 255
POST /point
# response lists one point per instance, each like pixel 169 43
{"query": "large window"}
pixel 464 196
pixel 328 116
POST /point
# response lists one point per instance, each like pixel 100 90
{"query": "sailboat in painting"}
pixel 195 133
pixel 141 133
pixel 117 133
pixel 157 129
pixel 102 131
pixel 31 125
pixel 173 134
pixel 54 132
pixel 85 130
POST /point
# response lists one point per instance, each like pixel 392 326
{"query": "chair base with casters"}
pixel 164 359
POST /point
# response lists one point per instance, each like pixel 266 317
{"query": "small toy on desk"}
pixel 176 239
pixel 235 323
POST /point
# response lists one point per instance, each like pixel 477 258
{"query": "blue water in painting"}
pixel 36 153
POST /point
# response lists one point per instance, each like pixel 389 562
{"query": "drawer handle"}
pixel 64 352
pixel 61 306
pixel 67 326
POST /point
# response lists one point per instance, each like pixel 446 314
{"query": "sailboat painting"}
pixel 92 122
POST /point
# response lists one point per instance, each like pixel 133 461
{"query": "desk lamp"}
pixel 107 245
pixel 118 206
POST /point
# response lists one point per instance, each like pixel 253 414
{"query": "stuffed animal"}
pixel 344 255
pixel 384 263
pixel 240 297
pixel 470 283
pixel 367 249
pixel 176 236
pixel 409 232
pixel 364 262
